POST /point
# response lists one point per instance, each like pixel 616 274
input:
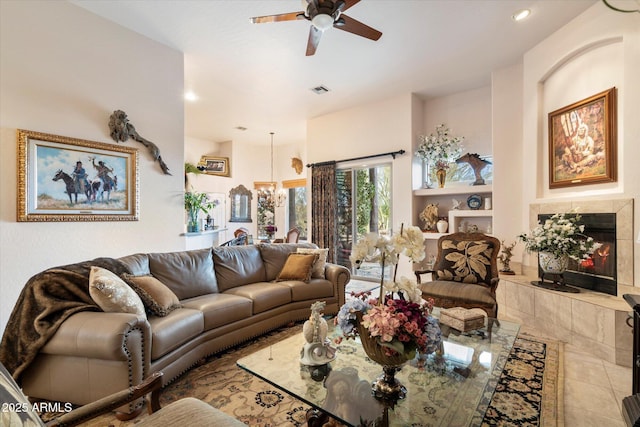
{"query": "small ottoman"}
pixel 462 319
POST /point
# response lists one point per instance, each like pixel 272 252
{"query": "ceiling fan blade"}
pixel 354 26
pixel 349 3
pixel 292 16
pixel 314 39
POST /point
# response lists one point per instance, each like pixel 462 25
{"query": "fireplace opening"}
pixel 599 272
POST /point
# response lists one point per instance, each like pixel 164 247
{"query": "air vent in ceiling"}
pixel 320 89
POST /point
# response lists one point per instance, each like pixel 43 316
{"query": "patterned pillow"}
pixel 155 295
pixel 16 409
pixel 112 294
pixel 318 267
pixel 297 267
pixel 465 261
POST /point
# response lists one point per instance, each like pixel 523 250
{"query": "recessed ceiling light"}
pixel 521 14
pixel 320 89
pixel 190 96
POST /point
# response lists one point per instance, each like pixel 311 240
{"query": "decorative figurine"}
pixel 317 349
pixel 477 163
pixel 430 216
pixel 456 204
pixel 505 258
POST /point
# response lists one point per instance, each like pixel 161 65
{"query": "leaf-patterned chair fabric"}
pixel 465 273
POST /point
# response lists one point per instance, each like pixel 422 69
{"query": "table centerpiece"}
pixel 397 324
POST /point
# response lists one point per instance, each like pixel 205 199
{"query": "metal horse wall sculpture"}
pixel 477 163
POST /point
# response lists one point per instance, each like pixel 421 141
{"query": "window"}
pixel 297 205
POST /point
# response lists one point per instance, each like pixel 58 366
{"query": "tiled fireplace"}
pixel 594 321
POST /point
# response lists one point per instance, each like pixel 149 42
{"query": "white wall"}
pixel 597 50
pixel 64 71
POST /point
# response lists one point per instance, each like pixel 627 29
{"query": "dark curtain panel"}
pixel 323 208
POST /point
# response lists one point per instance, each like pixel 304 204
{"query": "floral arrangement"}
pixel 560 235
pixel 440 149
pixel 399 319
pixel 270 229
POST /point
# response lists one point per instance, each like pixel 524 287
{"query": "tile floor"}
pixel 593 388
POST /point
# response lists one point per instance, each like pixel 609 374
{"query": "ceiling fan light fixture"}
pixel 521 15
pixel 322 21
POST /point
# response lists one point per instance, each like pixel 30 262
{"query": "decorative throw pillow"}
pixel 16 408
pixel 297 267
pixel 112 294
pixel 465 261
pixel 318 266
pixel 155 295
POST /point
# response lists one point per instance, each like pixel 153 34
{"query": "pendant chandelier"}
pixel 274 197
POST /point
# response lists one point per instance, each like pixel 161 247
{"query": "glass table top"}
pixel 451 389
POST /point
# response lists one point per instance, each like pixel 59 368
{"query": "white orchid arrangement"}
pixel 441 148
pixel 561 234
pixel 386 251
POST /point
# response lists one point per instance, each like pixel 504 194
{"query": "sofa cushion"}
pixel 297 267
pixel 458 293
pixel 237 266
pixel 138 264
pixel 187 273
pixel 155 296
pixel 467 261
pixel 112 294
pixel 318 266
pixel 220 309
pixel 173 330
pixel 315 289
pixel 275 255
pixel 265 295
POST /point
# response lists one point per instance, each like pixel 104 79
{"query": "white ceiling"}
pixel 257 75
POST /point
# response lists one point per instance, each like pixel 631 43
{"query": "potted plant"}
pixel 195 202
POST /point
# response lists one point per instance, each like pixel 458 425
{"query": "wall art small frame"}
pixel 68 179
pixel 583 142
pixel 214 165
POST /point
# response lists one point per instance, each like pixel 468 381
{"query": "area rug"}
pixel 529 393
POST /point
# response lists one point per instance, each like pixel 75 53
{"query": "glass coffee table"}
pixel 453 388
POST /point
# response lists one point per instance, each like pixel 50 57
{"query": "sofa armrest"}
pixel 99 335
pixel 339 276
pixel 112 402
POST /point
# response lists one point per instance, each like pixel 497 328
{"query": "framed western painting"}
pixel 69 179
pixel 214 165
pixel 582 142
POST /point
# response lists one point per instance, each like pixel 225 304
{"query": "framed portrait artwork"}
pixel 582 142
pixel 214 165
pixel 69 179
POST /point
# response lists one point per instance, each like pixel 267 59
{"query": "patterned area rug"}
pixel 527 394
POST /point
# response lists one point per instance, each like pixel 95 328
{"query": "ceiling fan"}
pixel 323 15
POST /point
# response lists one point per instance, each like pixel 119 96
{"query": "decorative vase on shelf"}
pixel 441 174
pixel 426 174
pixel 442 226
pixel 553 264
pixel 192 223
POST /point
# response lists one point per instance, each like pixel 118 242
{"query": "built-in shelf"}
pixel 203 233
pixel 454 189
pixel 432 236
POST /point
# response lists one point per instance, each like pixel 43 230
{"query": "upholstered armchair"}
pixel 465 273
pixel 17 410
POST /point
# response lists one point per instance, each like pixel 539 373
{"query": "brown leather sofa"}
pixel 228 295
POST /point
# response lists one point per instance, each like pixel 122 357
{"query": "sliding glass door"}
pixel 364 206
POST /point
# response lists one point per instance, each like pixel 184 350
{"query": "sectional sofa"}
pixel 195 304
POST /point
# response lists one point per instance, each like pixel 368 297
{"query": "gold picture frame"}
pixel 582 142
pixel 214 165
pixel 69 179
